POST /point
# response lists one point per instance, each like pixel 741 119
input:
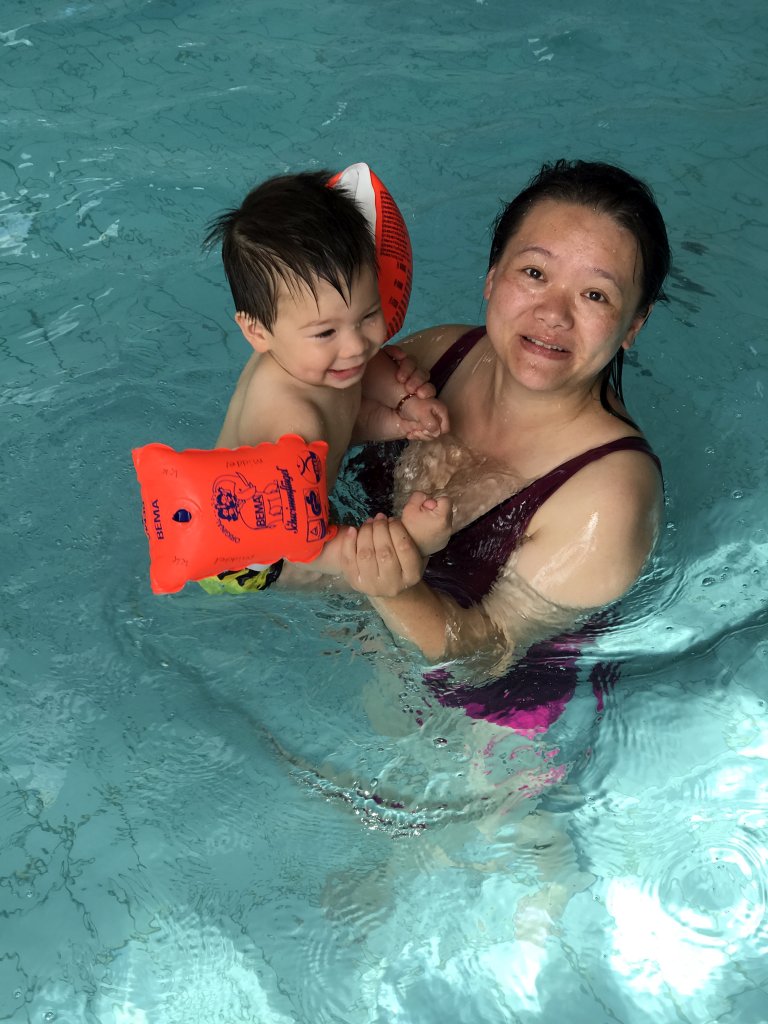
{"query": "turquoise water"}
pixel 226 811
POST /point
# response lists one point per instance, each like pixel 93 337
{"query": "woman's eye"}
pixel 533 272
pixel 594 296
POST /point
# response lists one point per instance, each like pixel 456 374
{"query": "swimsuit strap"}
pixel 453 355
pixel 523 504
pixel 469 565
pixel 542 488
pixel 537 492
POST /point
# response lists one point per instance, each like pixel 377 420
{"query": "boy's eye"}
pixel 595 296
pixel 327 333
pixel 373 314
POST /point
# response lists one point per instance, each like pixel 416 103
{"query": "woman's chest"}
pixel 475 483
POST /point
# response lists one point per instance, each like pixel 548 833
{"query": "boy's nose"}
pixel 357 342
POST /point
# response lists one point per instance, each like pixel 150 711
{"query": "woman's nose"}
pixel 555 309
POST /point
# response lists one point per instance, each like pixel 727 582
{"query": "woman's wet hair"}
pixel 292 230
pixel 607 189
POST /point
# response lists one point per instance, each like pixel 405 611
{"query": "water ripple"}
pixel 697 851
pixel 716 892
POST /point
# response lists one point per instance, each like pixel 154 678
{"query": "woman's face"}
pixel 563 297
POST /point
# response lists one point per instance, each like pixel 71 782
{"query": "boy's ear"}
pixel 254 332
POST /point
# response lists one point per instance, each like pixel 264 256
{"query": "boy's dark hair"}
pixel 292 229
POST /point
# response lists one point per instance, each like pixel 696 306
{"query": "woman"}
pixel 557 497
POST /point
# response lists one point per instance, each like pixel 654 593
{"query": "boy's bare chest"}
pixel 339 411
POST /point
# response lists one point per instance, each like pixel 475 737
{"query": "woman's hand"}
pixel 380 559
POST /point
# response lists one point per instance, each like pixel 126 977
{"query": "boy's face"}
pixel 323 341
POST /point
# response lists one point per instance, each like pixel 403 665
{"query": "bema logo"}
pixel 156 522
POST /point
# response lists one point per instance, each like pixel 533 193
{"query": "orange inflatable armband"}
pixel 207 512
pixel 393 244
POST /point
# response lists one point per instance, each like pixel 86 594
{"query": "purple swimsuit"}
pixel 468 566
pixel 534 692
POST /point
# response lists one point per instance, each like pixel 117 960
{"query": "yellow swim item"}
pixel 241 581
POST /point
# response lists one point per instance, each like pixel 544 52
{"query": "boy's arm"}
pixel 398 402
pixel 418 419
pixel 264 407
pixel 269 418
pixel 391 374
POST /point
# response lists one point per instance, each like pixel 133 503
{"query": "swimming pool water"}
pixel 247 810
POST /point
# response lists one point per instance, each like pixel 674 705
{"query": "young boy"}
pixel 300 259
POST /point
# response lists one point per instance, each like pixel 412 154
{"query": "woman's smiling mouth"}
pixel 543 347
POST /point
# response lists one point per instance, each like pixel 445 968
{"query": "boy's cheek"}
pixel 381 330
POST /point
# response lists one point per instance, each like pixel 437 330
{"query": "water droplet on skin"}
pixel 708 581
pixel 440 741
pixel 737 494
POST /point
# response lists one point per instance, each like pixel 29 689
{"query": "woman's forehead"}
pixel 556 229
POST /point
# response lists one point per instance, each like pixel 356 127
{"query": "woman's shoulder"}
pixel 607 515
pixel 614 468
pixel 623 477
pixel 427 346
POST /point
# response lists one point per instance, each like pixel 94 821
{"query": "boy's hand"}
pixel 415 381
pixel 423 418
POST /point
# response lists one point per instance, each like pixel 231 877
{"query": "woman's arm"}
pixel 380 560
pixel 585 548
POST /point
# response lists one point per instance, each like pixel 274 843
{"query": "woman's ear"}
pixel 638 322
pixel 489 283
pixel 254 332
